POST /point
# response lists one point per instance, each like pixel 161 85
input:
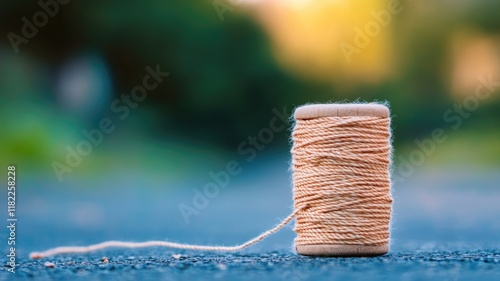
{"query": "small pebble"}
pixel 49 264
pixel 222 266
pixel 105 260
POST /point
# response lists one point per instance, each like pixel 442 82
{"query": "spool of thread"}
pixel 341 186
pixel 341 160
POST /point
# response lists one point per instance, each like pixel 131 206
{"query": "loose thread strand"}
pixel 135 245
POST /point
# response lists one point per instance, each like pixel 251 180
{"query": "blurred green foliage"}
pixel 224 80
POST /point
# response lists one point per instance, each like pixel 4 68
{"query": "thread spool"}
pixel 340 163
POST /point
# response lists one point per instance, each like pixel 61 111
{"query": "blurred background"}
pixel 232 65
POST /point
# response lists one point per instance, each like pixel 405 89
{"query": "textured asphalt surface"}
pixel 446 226
pixel 279 265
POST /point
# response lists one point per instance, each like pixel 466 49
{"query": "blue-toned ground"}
pixel 446 226
pixel 156 264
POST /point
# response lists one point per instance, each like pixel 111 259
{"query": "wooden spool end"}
pixel 330 110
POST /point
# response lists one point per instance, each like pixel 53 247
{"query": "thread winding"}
pixel 341 180
pixel 341 187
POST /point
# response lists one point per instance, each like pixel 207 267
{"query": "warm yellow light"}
pixel 310 37
pixel 473 55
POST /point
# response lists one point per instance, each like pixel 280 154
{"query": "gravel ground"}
pixel 446 226
pixel 276 265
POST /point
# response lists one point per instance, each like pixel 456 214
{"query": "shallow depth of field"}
pixel 119 114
